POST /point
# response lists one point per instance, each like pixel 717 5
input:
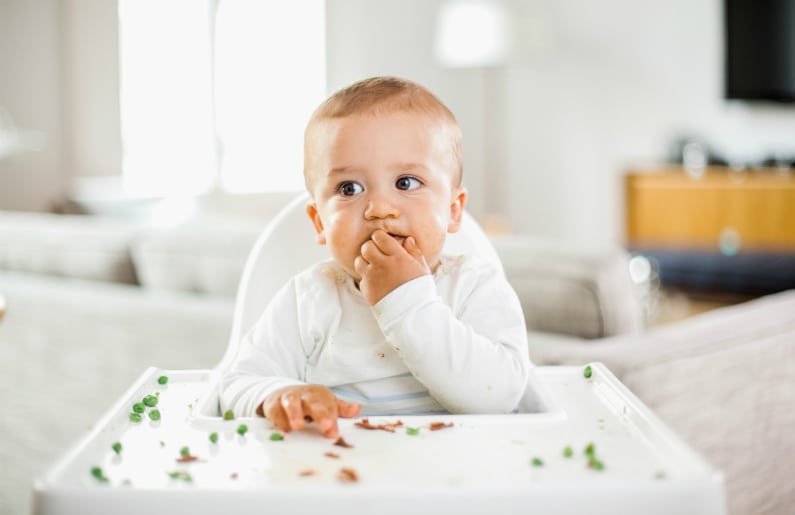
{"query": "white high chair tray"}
pixel 481 464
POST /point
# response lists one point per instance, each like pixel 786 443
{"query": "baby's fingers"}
pixel 293 409
pixel 414 251
pixel 273 411
pixel 384 243
pixel 325 417
pixel 348 409
pixel 360 265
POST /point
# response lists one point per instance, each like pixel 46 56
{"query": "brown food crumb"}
pixel 332 455
pixel 233 475
pixel 340 442
pixel 187 458
pixel 305 473
pixel 390 427
pixel 435 426
pixel 381 354
pixel 348 475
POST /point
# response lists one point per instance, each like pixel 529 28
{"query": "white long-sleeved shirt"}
pixel 454 341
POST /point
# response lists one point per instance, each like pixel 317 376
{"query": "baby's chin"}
pixel 351 272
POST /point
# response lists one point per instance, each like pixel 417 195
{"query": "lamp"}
pixel 473 34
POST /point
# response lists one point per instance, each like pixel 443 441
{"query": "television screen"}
pixel 760 49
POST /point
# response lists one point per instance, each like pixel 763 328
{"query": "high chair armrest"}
pixel 578 291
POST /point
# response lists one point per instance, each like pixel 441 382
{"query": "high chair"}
pixel 582 442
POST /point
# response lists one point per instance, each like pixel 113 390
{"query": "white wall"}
pixel 90 57
pixel 611 85
pixel 30 89
pixel 59 76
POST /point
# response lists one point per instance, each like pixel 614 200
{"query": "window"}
pixel 216 94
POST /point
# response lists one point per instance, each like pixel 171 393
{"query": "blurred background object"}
pixel 14 140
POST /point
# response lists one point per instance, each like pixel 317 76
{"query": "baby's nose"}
pixel 380 206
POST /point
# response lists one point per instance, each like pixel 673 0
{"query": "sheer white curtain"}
pixel 215 93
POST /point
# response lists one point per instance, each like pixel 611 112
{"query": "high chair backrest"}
pixel 287 246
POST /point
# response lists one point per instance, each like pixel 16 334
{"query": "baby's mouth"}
pixel 398 238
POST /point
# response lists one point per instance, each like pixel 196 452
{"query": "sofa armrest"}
pixel 568 290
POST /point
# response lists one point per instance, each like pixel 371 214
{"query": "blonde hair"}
pixel 384 95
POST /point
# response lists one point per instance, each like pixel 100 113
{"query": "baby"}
pixel 390 325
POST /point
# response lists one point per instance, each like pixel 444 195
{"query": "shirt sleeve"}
pixel 471 354
pixel 271 356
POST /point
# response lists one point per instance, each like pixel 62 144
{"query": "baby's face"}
pixel 389 171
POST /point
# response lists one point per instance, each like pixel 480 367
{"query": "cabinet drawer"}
pixel 669 209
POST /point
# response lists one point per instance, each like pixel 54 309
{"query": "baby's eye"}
pixel 408 183
pixel 349 189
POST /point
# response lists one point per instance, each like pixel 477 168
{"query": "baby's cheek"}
pixel 433 236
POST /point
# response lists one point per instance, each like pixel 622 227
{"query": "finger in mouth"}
pixel 400 239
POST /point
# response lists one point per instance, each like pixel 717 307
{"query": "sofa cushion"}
pixel 84 247
pixel 571 290
pixel 204 255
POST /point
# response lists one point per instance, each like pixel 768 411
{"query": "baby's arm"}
pixel 265 377
pixel 473 360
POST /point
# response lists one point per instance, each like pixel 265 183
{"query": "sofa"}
pixel 91 301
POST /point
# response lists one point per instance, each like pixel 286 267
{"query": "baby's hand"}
pixel 287 407
pixel 384 265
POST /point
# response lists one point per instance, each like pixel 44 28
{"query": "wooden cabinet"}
pixel 720 211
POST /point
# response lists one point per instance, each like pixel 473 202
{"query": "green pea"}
pixel 135 417
pixel 116 447
pixel 242 429
pixel 587 372
pixel 276 437
pixel 97 473
pixel 154 414
pixel 595 464
pixel 568 452
pixel 150 400
pixel 413 431
pixel 178 474
pixel 162 379
pixel 538 462
pixel 229 415
pixel 214 437
pixel 139 407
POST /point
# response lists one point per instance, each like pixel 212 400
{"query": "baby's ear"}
pixel 314 215
pixel 457 210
